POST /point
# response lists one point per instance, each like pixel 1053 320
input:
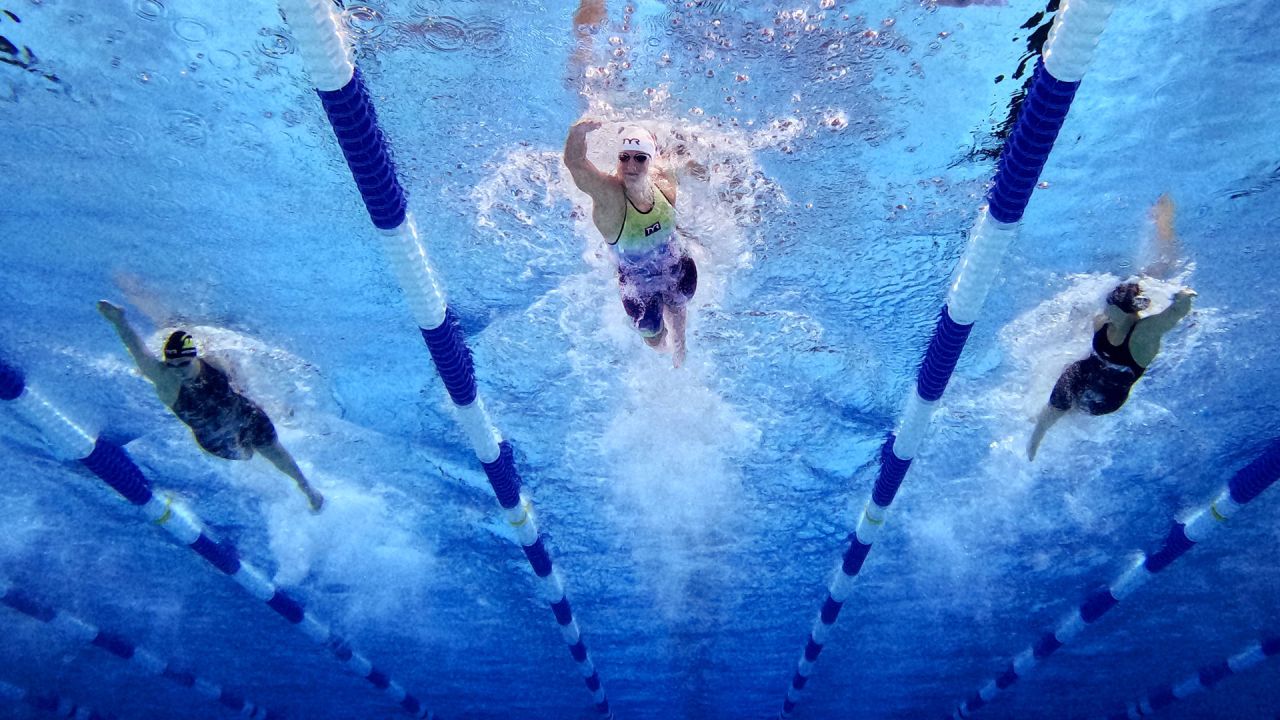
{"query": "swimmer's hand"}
pixel 586 126
pixel 113 313
pixel 698 170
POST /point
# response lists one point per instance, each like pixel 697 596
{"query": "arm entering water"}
pixel 152 369
pixel 585 174
pixel 1167 252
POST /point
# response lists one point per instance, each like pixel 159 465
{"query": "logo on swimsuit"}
pixel 652 229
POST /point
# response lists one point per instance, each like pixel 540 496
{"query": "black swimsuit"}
pixel 1100 383
pixel 224 422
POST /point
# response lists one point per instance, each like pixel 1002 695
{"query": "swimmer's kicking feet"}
pixel 224 422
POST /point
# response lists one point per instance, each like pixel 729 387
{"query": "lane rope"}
pixel 350 110
pixel 1203 679
pixel 122 647
pixel 112 463
pixel 1196 527
pixel 1067 54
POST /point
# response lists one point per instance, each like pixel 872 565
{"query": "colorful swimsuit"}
pixel 652 271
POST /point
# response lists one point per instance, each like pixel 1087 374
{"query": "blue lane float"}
pixel 125 649
pixel 113 465
pixel 354 120
pixel 1067 54
pixel 1184 534
pixel 51 703
pixel 1203 679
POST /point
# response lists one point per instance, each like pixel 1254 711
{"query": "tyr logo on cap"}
pixel 637 138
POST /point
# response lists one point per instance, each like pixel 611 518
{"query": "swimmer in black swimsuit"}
pixel 224 422
pixel 1123 347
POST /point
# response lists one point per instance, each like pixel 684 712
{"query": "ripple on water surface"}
pixel 274 42
pixel 149 9
pixel 441 32
pixel 487 37
pixel 191 30
pixel 365 22
pixel 187 128
pixel 124 141
pixel 223 59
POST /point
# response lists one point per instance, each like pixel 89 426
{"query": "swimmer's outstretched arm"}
pixel 585 174
pixel 1162 212
pixel 151 368
pixel 1167 251
pixel 1165 320
pixel 1146 340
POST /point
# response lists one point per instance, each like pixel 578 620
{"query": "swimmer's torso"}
pixel 210 406
pixel 647 238
pixel 1118 356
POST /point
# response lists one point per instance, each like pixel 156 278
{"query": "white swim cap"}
pixel 636 139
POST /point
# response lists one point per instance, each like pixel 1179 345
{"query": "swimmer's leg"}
pixel 657 342
pixel 686 286
pixel 676 321
pixel 284 462
pixel 1048 416
pixel 647 318
pixel 1061 400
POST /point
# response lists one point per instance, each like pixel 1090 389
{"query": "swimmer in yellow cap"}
pixel 634 209
pixel 224 422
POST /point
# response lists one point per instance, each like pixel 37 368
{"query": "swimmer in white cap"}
pixel 634 209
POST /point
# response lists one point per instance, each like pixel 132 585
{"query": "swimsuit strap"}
pixel 1116 354
pixel 643 232
pixel 626 210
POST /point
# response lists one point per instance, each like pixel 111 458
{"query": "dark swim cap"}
pixel 1126 296
pixel 180 344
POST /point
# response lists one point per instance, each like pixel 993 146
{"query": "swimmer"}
pixel 634 209
pixel 1124 345
pixel 224 422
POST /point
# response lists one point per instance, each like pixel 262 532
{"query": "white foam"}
pixel 280 382
pixel 674 450
pixel 362 544
pixel 663 444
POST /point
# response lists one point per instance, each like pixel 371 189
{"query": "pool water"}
pixel 171 156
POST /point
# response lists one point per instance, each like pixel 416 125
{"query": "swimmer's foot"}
pixel 315 499
pixel 658 342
